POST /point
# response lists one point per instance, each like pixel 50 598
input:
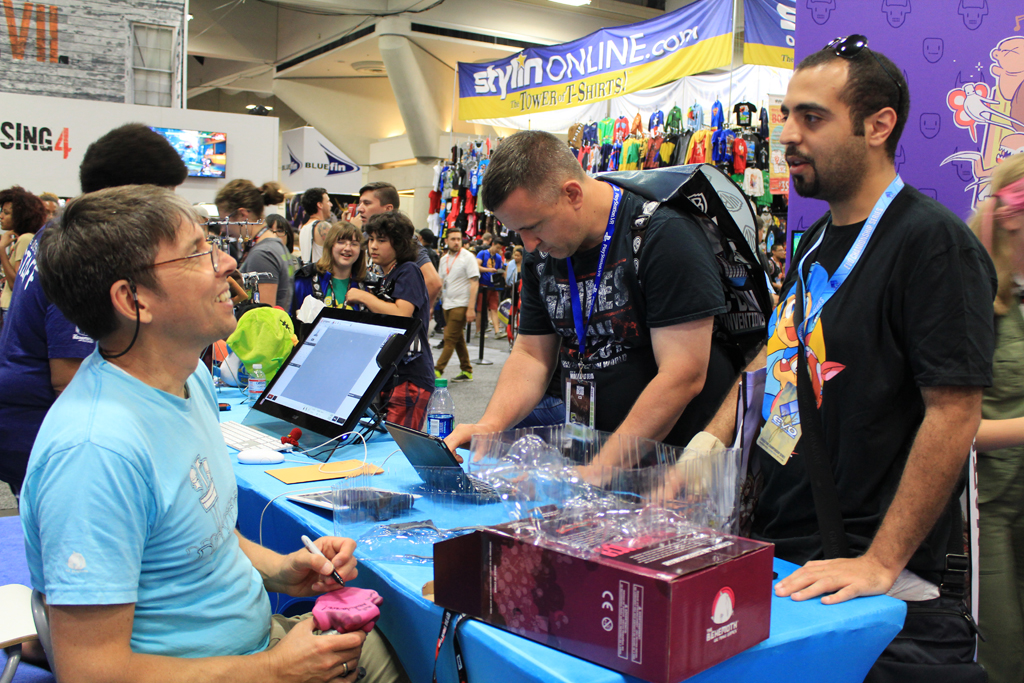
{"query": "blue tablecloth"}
pixel 809 641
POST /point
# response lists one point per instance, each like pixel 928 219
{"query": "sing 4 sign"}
pixel 19 136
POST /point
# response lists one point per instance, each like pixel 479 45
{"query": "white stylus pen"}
pixel 311 547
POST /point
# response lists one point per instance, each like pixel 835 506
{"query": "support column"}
pixel 417 80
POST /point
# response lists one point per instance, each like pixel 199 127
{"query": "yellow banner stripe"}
pixel 703 56
pixel 768 55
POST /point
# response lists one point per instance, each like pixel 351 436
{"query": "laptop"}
pixel 435 464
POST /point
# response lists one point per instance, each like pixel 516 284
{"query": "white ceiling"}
pixel 297 52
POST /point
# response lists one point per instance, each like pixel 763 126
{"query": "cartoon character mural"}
pixel 783 348
pixel 993 115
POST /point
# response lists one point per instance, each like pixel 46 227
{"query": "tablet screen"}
pixel 332 377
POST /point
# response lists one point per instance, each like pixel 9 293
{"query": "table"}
pixel 808 642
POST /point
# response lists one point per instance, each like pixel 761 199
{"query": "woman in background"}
pixel 21 215
pixel 264 249
pixel 341 267
pixel 241 203
pixel 999 223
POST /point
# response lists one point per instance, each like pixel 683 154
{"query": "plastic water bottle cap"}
pixel 440 383
pixel 257 366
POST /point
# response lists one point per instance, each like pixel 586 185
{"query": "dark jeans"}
pixel 550 411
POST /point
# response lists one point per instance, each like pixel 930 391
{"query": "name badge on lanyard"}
pixel 580 387
pixel 781 430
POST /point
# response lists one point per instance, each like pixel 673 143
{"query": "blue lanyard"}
pixel 574 289
pixel 856 251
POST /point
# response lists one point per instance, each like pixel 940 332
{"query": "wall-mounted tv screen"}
pixel 204 153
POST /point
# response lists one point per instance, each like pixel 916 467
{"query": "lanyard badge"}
pixel 580 389
pixel 781 431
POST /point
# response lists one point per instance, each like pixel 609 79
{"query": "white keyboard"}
pixel 240 437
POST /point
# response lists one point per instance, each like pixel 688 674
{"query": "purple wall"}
pixel 940 45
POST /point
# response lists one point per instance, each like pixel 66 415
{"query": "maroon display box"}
pixel 662 612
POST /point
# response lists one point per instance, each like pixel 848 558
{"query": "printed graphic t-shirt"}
pixel 681 283
pixel 130 498
pixel 915 312
pixel 744 112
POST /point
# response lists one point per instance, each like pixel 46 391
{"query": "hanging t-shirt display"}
pixel 695 117
pixel 752 183
pixel 764 123
pixel 744 113
pixel 674 120
pixel 656 121
pixel 765 199
pixel 621 129
pixel 763 157
pixel 717 115
pixel 739 155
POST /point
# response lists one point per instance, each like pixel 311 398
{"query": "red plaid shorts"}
pixel 407 405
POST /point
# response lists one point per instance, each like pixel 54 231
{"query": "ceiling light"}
pixel 369 67
pixel 574 3
pixel 259 109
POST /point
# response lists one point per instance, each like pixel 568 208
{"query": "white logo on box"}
pixel 721 612
pixel 724 602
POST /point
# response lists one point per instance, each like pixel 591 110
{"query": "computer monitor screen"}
pixel 797 236
pixel 329 380
pixel 204 152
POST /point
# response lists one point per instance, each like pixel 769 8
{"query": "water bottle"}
pixel 440 410
pixel 257 382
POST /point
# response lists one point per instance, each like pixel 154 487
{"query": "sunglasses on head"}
pixel 850 46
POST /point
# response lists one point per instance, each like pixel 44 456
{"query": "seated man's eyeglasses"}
pixel 212 253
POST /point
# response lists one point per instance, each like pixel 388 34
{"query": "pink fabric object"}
pixel 347 609
pixel 1009 200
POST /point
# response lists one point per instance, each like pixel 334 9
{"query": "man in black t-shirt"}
pixel 897 356
pixel 648 366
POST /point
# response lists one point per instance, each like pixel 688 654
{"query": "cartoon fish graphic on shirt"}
pixel 783 349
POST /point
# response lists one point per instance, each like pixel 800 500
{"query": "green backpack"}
pixel 264 335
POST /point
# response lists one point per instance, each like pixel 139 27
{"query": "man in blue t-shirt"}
pixel 492 284
pixel 129 504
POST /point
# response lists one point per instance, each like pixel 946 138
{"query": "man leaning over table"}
pixel 635 344
pixel 130 503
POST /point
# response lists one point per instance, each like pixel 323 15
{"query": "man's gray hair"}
pixel 102 237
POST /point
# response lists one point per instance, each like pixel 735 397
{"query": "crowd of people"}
pixel 891 369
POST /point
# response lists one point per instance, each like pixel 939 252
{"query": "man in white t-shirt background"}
pixel 460 278
pixel 317 205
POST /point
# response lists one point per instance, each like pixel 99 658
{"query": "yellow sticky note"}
pixel 330 470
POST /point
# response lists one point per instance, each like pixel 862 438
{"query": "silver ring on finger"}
pixel 344 673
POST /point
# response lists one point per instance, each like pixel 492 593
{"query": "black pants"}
pixel 936 645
